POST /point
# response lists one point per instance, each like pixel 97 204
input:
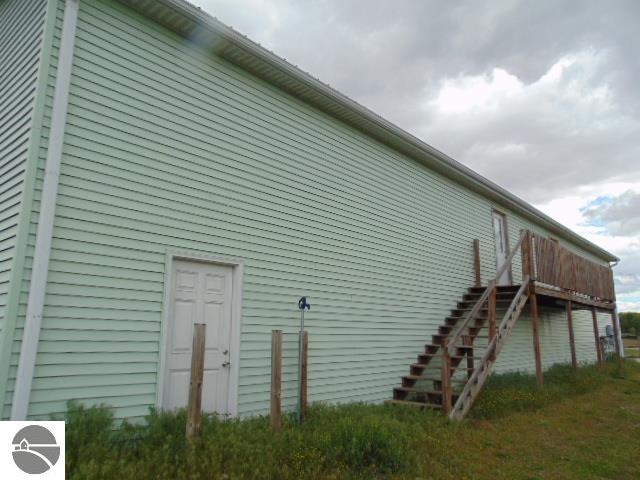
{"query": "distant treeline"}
pixel 630 322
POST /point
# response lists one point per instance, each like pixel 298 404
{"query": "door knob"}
pixel 226 364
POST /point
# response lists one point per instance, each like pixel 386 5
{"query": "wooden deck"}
pixel 580 300
pixel 552 276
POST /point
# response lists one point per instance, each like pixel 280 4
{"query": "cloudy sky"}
pixel 541 97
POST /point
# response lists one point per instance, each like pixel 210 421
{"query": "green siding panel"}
pixel 168 147
pixel 21 35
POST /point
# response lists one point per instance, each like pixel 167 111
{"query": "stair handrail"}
pixel 490 351
pixel 485 295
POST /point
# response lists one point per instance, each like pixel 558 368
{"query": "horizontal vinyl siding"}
pixel 166 148
pixel 21 28
pixel 554 340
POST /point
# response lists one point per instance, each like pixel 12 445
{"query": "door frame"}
pixel 237 268
pixel 495 211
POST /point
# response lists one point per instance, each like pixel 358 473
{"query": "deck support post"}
pixel 528 269
pixel 476 262
pixel 572 338
pixel 596 335
pixel 616 334
pixel 446 378
pixel 533 303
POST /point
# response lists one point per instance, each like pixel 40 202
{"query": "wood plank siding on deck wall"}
pixel 170 147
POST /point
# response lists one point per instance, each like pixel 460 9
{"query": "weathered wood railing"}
pixel 480 374
pixel 545 262
pixel 451 343
pixel 559 267
pixel 490 290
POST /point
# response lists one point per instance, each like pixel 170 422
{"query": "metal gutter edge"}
pixel 424 152
pixel 37 288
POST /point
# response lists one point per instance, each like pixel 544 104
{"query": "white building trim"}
pixel 35 303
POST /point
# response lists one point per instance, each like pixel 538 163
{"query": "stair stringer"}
pixel 475 383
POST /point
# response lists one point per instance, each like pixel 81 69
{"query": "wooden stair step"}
pixel 438 355
pixel 500 288
pixel 478 321
pixel 508 288
pixel 423 378
pixel 483 309
pixel 410 403
pixel 458 381
pixel 457 318
pixel 434 367
pixel 419 391
pixel 499 301
pixel 426 396
pixel 438 338
pixel 461 352
pixel 414 392
pixel 476 296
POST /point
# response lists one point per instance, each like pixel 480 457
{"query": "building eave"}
pixel 191 22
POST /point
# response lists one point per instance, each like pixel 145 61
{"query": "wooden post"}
pixel 491 312
pixel 533 302
pixel 528 269
pixel 276 379
pixel 476 262
pixel 525 251
pixel 616 335
pixel 601 345
pixel 572 339
pixel 194 408
pixel 596 334
pixel 446 378
pixel 303 377
pixel 467 340
pixel 531 247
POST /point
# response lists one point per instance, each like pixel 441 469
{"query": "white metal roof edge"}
pixel 188 20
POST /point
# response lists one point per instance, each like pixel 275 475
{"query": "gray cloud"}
pixel 571 121
pixel 627 277
pixel 619 215
pixel 393 58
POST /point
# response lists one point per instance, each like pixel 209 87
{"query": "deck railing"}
pixel 542 261
pixel 557 266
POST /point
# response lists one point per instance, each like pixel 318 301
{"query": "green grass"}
pixel 583 424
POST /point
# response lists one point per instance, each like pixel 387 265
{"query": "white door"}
pixel 502 250
pixel 200 293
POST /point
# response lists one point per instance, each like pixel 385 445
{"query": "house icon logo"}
pixel 35 449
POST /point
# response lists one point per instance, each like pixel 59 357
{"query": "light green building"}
pixel 159 169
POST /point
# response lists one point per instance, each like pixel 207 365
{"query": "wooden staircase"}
pixel 455 365
pixel 423 386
